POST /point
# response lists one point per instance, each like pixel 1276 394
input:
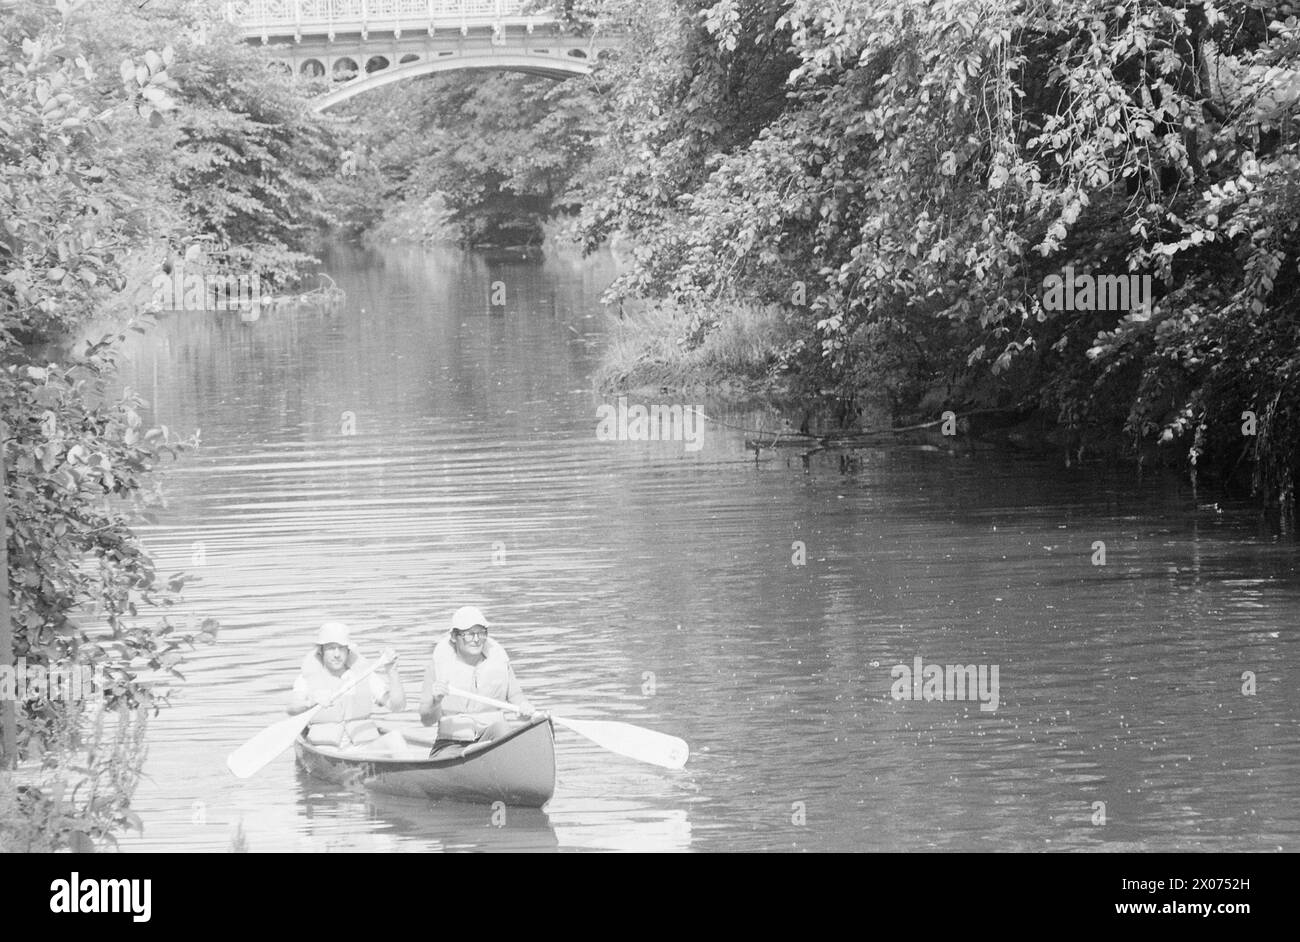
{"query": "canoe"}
pixel 518 768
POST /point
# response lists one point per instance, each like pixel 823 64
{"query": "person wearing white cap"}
pixel 332 664
pixel 469 660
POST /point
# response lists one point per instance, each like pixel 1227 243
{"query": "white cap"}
pixel 467 617
pixel 334 632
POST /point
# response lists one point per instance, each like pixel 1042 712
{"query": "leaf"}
pixel 127 71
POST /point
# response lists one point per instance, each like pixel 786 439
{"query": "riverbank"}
pixel 737 356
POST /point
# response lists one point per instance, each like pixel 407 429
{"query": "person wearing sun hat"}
pixel 333 663
pixel 469 660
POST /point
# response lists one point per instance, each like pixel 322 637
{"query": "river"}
pixel 756 608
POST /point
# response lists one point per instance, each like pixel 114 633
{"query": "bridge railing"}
pixel 291 17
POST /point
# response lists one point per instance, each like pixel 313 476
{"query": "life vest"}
pixel 346 720
pixel 462 718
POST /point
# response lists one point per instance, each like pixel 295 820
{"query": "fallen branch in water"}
pixel 321 296
pixel 850 438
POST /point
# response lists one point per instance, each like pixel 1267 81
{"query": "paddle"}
pixel 635 742
pixel 249 758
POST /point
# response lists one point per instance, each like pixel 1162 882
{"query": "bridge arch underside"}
pixel 357 65
pixel 504 63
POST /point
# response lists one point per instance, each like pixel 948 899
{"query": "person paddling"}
pixel 331 665
pixel 471 661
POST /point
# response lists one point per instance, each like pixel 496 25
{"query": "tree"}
pixel 929 165
pixel 79 585
pixel 501 149
pixel 242 157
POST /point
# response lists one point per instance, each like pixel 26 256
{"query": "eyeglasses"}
pixel 472 633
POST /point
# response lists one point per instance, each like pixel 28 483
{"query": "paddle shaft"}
pixel 347 688
pixel 279 736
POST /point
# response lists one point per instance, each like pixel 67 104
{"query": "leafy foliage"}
pixel 63 225
pixel 501 149
pixel 903 176
pixel 243 157
pixel 87 127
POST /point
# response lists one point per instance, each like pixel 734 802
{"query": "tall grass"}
pixel 667 345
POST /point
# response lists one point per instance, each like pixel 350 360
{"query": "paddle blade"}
pixel 249 758
pixel 635 742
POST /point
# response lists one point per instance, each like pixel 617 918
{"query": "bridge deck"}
pixel 265 18
pixel 359 45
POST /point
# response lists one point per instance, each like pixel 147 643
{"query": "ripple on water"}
pixel 648 583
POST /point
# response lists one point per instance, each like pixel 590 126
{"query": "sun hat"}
pixel 334 632
pixel 467 617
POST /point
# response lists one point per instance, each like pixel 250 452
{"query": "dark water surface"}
pixel 644 566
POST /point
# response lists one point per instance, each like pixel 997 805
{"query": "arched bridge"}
pixel 364 44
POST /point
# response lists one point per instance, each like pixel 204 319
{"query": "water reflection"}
pixel 624 826
pixel 357 819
